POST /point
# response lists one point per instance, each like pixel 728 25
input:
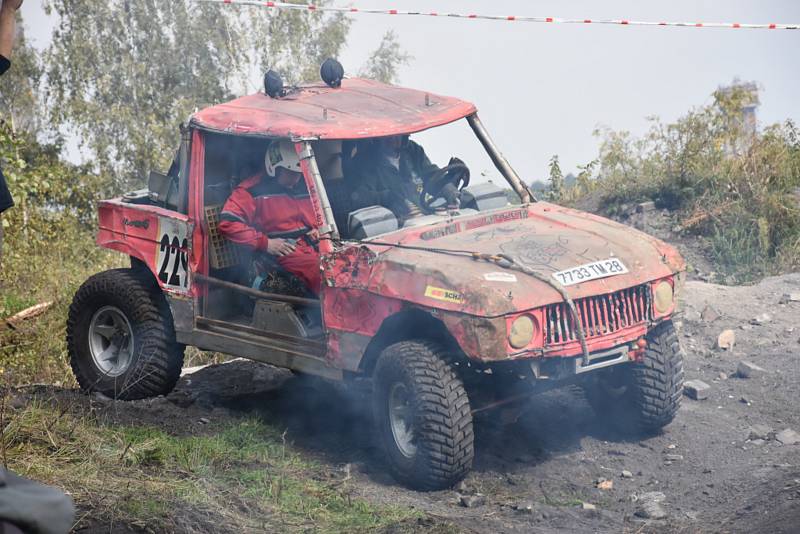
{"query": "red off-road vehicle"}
pixel 440 315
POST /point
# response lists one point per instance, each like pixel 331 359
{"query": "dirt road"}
pixel 559 468
pixel 710 471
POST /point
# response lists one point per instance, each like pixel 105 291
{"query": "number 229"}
pixel 174 255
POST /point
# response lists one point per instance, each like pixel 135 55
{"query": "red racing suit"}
pixel 259 209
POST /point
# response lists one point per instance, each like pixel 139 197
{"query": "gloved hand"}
pixel 454 160
pixel 454 176
pixel 452 195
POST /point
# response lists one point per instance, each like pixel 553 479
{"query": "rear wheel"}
pixel 423 416
pixel 120 336
pixel 642 398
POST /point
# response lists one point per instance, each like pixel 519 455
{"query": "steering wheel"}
pixel 455 173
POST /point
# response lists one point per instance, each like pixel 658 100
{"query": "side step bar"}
pixel 302 355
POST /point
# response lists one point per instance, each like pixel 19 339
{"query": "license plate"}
pixel 591 271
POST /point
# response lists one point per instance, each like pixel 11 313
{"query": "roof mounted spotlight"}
pixel 273 84
pixel 332 73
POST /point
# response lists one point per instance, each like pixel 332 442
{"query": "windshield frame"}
pixel 327 222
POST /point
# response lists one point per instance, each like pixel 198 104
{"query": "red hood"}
pixel 543 237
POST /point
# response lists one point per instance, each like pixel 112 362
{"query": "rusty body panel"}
pixel 160 238
pixel 543 237
pixel 473 297
pixel 358 110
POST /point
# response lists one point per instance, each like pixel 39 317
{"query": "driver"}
pixel 392 174
pixel 275 215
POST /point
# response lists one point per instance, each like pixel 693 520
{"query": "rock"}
pixel 204 420
pixel 650 505
pixel 588 506
pixel 654 496
pixel 604 484
pixel 759 432
pixel 696 389
pixel 790 297
pixel 761 319
pixel 525 507
pixel 758 442
pixel 745 327
pixel 463 488
pixel 747 369
pixel 745 400
pixel 650 510
pixel 673 457
pixel 726 339
pixel 709 314
pixel 723 376
pixel 472 501
pixel 788 437
pixel 626 474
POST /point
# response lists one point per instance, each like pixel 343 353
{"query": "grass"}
pixel 244 477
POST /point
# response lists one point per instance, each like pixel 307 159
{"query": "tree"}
pixel 124 74
pixel 556 179
pixel 386 60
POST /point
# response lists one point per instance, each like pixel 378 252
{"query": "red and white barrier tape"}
pixel 510 18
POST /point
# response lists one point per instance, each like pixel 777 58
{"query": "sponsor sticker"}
pixel 447 295
pixel 591 271
pixel 500 277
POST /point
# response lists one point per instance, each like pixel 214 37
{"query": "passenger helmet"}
pixel 281 154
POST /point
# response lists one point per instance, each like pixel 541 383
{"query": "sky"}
pixel 542 90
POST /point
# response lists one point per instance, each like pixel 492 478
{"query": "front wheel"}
pixel 423 416
pixel 643 397
pixel 120 337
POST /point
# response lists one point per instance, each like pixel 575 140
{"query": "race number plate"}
pixel 172 260
pixel 591 271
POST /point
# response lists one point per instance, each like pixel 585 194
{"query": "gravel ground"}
pixel 704 473
pixel 558 468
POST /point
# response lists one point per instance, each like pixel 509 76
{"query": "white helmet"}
pixel 281 154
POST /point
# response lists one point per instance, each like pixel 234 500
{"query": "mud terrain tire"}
pixel 129 304
pixel 642 398
pixel 437 449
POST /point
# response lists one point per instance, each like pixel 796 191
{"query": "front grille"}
pixel 599 315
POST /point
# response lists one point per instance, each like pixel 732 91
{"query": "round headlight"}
pixel 663 297
pixel 522 330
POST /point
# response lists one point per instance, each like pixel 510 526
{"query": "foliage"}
pixel 556 180
pixel 386 60
pixel 722 177
pixel 48 251
pixel 169 59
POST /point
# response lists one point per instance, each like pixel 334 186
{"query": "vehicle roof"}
pixel 358 109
